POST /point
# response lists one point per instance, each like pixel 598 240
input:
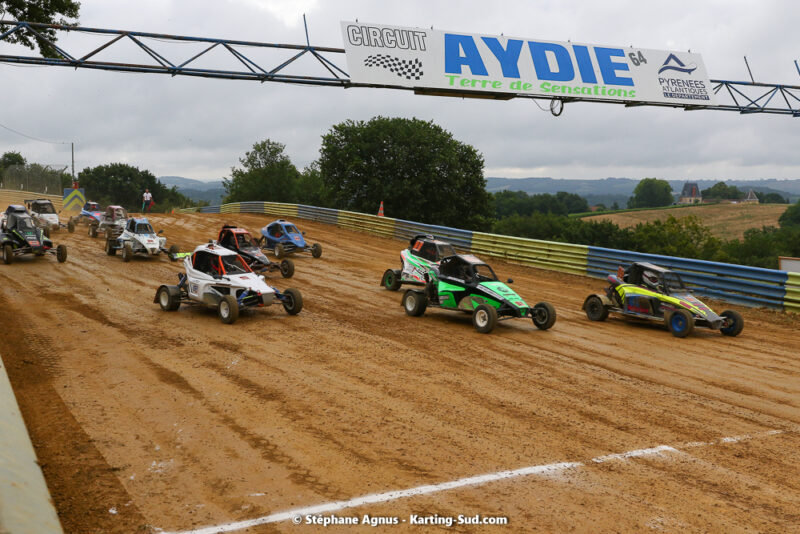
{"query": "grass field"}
pixel 727 221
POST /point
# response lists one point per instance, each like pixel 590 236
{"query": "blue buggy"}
pixel 283 238
pixel 90 214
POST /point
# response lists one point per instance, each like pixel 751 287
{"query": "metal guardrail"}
pixel 25 504
pixel 752 286
pixel 13 196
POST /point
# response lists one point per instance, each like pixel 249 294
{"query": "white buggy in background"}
pixel 219 278
pixel 44 215
pixel 138 237
pixel 111 223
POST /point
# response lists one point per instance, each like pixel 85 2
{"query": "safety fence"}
pixel 750 286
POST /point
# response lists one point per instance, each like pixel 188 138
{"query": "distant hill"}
pixel 610 190
pixel 211 192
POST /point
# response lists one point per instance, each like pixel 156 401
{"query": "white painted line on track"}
pixel 460 483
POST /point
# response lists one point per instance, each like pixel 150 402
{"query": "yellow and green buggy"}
pixel 650 292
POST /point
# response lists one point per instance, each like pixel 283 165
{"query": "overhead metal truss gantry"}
pixel 744 97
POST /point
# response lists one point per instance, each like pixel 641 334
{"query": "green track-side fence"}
pixel 25 505
pixel 751 286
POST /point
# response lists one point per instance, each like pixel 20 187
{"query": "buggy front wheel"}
pixel 127 252
pixel 169 298
pixel 316 250
pixel 278 251
pixel 391 280
pixel 736 323
pixel 293 302
pixel 61 253
pixel 228 309
pixel 287 268
pixel 71 226
pixel 543 315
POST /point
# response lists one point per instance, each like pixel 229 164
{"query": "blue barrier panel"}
pixel 408 229
pixel 324 215
pixel 752 286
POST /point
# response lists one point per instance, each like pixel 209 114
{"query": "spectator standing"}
pixel 147 200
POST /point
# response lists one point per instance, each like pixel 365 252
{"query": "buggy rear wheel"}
pixel 595 309
pixel 391 280
pixel 228 309
pixel 543 315
pixel 169 298
pixel 414 303
pixel 279 251
pixel 173 250
pixel 61 253
pixel 680 323
pixel 8 254
pixel 484 318
pixel 736 323
pixel 71 226
pixel 287 268
pixel 316 250
pixel 294 301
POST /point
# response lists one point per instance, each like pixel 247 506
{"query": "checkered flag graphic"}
pixel 408 69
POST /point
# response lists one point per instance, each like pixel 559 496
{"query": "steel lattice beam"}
pixel 744 97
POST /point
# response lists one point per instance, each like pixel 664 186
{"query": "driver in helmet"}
pixel 650 280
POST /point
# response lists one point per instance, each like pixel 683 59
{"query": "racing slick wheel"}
pixel 414 302
pixel 484 318
pixel 543 315
pixel 680 323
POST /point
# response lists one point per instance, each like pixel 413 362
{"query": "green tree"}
pixel 790 217
pixel 311 189
pixel 11 158
pixel 720 191
pixel 266 174
pixel 416 168
pixel 123 184
pixel 42 11
pixel 651 193
pixel 771 198
pixel 615 206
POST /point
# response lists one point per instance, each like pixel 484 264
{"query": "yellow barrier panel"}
pixel 233 207
pixel 11 196
pixel 280 209
pixel 372 224
pixel 563 257
pixel 791 302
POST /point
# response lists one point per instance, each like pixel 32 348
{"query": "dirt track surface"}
pixel 144 419
pixel 726 221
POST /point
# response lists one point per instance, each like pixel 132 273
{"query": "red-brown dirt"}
pixel 175 421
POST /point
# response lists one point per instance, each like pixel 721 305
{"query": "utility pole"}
pixel 73 160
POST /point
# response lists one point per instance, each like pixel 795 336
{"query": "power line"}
pixel 34 138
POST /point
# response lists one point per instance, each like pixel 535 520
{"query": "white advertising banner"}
pixel 462 62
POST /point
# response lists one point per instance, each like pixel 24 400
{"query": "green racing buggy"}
pixel 465 283
pixel 649 292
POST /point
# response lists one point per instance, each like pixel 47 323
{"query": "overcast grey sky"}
pixel 198 128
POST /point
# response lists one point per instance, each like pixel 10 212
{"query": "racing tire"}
pixel 484 318
pixel 279 251
pixel 71 226
pixel 92 230
pixel 8 254
pixel 595 309
pixel 287 268
pixel 391 280
pixel 544 315
pixel 46 232
pixel 316 250
pixel 736 326
pixel 169 297
pixel 680 323
pixel 61 253
pixel 294 301
pixel 110 250
pixel 414 302
pixel 127 252
pixel 228 309
pixel 174 249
